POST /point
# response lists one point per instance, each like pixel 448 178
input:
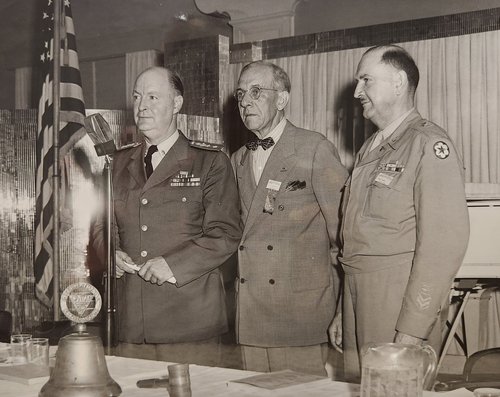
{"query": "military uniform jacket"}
pixel 285 289
pixel 187 212
pixel 405 203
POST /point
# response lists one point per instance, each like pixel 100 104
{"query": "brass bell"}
pixel 80 369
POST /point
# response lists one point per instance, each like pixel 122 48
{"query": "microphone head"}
pixel 100 133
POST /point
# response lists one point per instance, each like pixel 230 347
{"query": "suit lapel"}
pixel 246 179
pixel 135 167
pixel 280 162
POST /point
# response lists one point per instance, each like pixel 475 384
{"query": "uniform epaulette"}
pixel 216 147
pixel 128 146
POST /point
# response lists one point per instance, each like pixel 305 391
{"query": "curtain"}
pixel 459 90
pixel 135 63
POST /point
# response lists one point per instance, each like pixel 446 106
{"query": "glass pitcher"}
pixel 397 370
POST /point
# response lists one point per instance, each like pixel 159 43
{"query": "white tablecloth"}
pixel 205 382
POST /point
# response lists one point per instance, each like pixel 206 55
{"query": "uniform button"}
pixel 184 199
pixel 271 281
pixel 270 247
pixel 241 248
pixel 144 201
pixel 144 228
pixel 144 253
pixel 281 207
pixel 242 280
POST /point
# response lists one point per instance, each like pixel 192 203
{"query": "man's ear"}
pixel 283 98
pixel 400 81
pixel 178 101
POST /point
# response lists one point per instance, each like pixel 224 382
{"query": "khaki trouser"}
pixel 307 359
pixel 372 302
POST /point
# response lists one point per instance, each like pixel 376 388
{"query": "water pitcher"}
pixel 397 370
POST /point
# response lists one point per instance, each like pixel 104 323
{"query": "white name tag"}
pixel 273 185
pixel 384 179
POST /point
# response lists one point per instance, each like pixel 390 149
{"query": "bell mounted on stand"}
pixel 80 369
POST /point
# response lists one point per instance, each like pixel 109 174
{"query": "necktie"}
pixel 147 160
pixel 266 143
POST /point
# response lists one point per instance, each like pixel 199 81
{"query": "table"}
pixel 205 382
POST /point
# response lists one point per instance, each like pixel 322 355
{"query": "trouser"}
pixel 205 352
pixel 371 307
pixel 306 359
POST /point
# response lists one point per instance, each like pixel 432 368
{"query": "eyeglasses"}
pixel 254 92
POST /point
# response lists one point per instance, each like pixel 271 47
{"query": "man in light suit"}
pixel 290 183
pixel 177 218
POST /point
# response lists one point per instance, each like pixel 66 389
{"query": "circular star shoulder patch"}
pixel 441 150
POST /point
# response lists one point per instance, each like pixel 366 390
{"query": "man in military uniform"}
pixel 405 222
pixel 290 182
pixel 177 219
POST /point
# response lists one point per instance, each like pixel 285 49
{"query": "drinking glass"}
pixel 39 349
pixel 20 348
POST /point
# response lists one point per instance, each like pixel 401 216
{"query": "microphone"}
pixel 100 133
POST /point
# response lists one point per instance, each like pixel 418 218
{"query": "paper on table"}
pixel 453 393
pixel 279 379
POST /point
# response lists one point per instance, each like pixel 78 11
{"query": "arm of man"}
pixel 123 262
pixel 441 237
pixel 221 230
pixel 329 176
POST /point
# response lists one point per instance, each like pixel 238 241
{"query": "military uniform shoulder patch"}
pixel 129 146
pixel 441 150
pixel 216 147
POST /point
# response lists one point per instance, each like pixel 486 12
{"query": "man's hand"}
pixel 335 332
pixel 407 339
pixel 124 264
pixel 157 271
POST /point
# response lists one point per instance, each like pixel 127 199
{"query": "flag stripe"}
pixel 70 129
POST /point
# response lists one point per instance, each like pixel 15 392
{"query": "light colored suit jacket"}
pixel 286 294
pixel 187 212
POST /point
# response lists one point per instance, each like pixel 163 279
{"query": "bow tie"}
pixel 266 143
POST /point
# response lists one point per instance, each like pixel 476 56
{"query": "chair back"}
pixel 5 326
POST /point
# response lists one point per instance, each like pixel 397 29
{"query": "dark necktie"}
pixel 266 143
pixel 147 160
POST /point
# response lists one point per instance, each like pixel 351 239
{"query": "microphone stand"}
pixel 100 133
pixel 110 275
pixel 106 149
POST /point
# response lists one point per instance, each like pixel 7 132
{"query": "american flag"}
pixel 72 113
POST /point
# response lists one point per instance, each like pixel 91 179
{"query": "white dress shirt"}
pixel 163 149
pixel 260 156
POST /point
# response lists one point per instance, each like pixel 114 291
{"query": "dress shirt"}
pixel 387 131
pixel 260 156
pixel 163 148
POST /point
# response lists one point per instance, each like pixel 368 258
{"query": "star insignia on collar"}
pixel 441 150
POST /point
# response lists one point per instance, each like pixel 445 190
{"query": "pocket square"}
pixel 295 185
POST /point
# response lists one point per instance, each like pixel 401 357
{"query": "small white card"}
pixel 273 185
pixel 384 179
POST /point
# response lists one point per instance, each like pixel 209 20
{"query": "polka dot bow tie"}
pixel 265 143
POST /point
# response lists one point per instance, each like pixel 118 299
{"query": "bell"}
pixel 80 369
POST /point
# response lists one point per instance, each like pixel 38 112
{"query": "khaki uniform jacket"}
pixel 285 289
pixel 405 203
pixel 187 212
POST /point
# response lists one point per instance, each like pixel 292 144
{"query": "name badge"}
pixel 273 185
pixel 384 179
